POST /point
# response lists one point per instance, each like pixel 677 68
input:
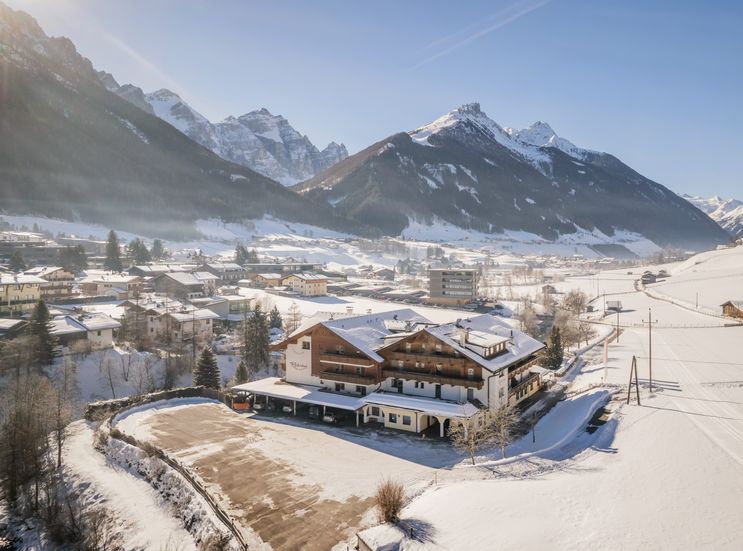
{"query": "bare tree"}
pixel 389 499
pixel 470 436
pixel 63 397
pixel 106 371
pixel 575 301
pixel 528 317
pixel 294 318
pixel 503 425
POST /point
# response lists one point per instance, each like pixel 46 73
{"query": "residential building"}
pixel 96 329
pixel 19 293
pixel 454 287
pixel 156 269
pixel 187 324
pixel 270 279
pixel 733 308
pixel 59 281
pixel 183 285
pixel 34 248
pixel 307 285
pixel 229 273
pixel 283 268
pixel 110 284
pixel 401 370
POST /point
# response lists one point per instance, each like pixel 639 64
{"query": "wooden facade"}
pixel 733 309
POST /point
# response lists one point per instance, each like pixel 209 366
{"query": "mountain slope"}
pixel 728 213
pixel 258 140
pixel 467 170
pixel 71 148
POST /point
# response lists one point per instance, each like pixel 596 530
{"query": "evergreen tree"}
pixel 40 330
pixel 16 263
pixel 241 254
pixel 275 321
pixel 138 252
pixel 555 349
pixel 241 373
pixel 113 257
pixel 255 352
pixel 206 373
pixel 73 259
pixel 252 257
pixel 157 251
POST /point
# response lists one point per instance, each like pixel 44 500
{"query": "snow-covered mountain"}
pixel 726 212
pixel 467 170
pixel 72 149
pixel 259 140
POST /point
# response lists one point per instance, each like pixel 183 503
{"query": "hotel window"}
pixel 438 348
pixel 408 347
pixel 375 411
pixel 406 420
pixel 305 345
pixel 470 373
pixel 439 368
pixel 392 417
pixel 400 364
pixel 339 348
pixel 339 387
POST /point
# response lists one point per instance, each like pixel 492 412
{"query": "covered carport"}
pixel 274 387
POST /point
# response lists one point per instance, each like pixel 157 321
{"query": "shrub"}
pixel 389 500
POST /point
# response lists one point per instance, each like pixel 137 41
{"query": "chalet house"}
pixel 648 277
pixel 229 273
pixel 399 369
pixel 387 274
pixel 113 285
pixel 267 279
pixel 152 270
pixel 58 284
pixel 183 285
pixel 733 308
pixel 96 329
pixel 19 293
pixel 230 308
pixel 307 285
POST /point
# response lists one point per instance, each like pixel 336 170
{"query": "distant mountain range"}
pixel 728 213
pixel 467 170
pixel 76 144
pixel 258 140
pixel 70 148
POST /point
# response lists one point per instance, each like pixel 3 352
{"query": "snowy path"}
pixel 148 524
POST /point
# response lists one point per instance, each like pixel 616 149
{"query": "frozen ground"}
pixel 671 478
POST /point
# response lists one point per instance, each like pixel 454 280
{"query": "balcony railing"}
pixel 355 378
pixel 429 377
pixel 523 384
pixel 428 356
pixel 346 359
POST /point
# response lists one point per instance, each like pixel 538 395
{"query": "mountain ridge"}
pixel 467 170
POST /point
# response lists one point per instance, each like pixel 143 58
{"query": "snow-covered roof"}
pixel 97 322
pixel 65 326
pixel 276 388
pixel 16 279
pixel 41 271
pixel 432 406
pixel 197 315
pixel 308 277
pixel 9 323
pixel 224 266
pixel 490 329
pixel 367 333
pixel 268 276
pixel 736 303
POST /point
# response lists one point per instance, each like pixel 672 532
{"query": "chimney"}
pixel 462 337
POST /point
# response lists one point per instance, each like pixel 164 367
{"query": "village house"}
pixel 404 372
pixel 454 287
pixel 19 293
pixel 188 324
pixel 59 282
pixel 229 273
pixel 97 330
pixel 267 280
pixel 111 285
pixel 183 285
pixel 733 308
pixel 156 269
pixel 307 285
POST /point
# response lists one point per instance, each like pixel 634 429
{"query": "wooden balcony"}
pixel 346 359
pixel 523 384
pixel 434 378
pixel 353 378
pixel 427 357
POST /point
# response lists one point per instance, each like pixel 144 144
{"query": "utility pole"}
pixel 650 346
pixel 697 303
pixel 617 326
pixel 633 373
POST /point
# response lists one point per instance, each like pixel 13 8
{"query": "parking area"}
pixel 291 483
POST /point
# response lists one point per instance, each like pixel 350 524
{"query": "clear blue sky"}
pixel 659 84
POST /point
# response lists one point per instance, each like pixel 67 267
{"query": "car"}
pixel 333 417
